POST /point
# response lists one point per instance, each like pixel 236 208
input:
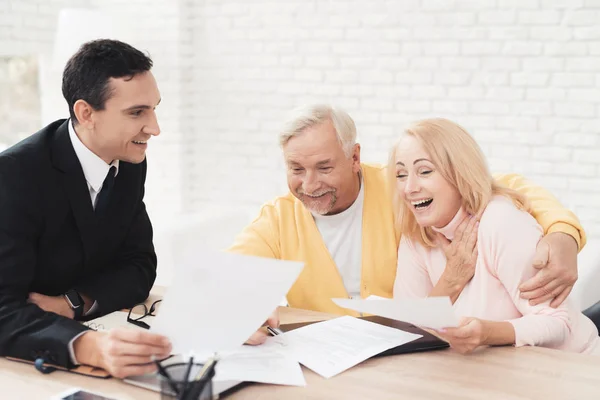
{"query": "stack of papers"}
pixel 328 348
pixel 217 300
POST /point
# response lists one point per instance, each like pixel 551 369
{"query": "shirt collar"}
pixel 94 168
pixel 449 229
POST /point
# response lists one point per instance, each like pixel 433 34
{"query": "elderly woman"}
pixel 441 178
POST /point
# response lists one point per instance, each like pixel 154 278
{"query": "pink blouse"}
pixel 506 242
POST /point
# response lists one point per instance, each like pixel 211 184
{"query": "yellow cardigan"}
pixel 286 230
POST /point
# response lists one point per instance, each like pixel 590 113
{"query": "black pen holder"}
pixel 177 388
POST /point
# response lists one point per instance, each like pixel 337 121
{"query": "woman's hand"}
pixel 461 258
pixel 470 334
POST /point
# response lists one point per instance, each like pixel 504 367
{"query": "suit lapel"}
pixel 73 180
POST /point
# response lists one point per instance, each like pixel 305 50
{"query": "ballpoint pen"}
pixel 166 375
pixel 274 331
pixel 187 378
pixel 207 369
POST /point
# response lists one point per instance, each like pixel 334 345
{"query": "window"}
pixel 19 99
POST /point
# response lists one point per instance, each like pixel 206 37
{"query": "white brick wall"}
pixel 522 75
pixel 28 26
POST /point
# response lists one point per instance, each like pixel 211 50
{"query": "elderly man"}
pixel 338 219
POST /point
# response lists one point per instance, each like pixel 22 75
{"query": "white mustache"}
pixel 316 194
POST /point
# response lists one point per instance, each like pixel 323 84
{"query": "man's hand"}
pixel 470 334
pixel 260 335
pixel 55 304
pixel 461 257
pixel 122 352
pixel 556 258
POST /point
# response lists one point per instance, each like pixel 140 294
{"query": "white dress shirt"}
pixel 94 168
pixel 342 234
pixel 95 171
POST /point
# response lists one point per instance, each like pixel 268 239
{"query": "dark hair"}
pixel 88 71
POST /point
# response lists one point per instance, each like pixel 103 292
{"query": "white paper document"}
pixel 260 364
pixel 430 312
pixel 217 299
pixel 331 347
pixel 267 363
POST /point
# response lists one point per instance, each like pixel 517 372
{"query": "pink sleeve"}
pixel 412 278
pixel 510 237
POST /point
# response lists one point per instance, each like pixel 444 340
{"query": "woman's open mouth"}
pixel 421 204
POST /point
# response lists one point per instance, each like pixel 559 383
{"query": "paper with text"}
pixel 217 299
pixel 265 364
pixel 331 347
pixel 430 312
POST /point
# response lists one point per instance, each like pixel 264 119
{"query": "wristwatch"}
pixel 73 298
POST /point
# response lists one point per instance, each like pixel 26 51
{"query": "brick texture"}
pixel 521 76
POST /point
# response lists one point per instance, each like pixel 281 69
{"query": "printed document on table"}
pixel 264 364
pixel 217 299
pixel 331 347
pixel 430 312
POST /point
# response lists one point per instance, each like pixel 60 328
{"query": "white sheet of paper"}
pixel 217 299
pixel 331 347
pixel 264 364
pixel 375 297
pixel 430 312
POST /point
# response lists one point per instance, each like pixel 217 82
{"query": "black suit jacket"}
pixel 51 241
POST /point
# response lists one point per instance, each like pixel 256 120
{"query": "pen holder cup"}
pixel 178 389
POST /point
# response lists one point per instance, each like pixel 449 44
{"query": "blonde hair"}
pixel 309 116
pixel 460 161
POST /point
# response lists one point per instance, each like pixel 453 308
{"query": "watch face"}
pixel 73 299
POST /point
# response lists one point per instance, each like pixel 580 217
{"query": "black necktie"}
pixel 104 195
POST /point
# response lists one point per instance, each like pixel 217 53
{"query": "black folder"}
pixel 425 343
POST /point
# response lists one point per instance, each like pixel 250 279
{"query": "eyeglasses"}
pixel 141 309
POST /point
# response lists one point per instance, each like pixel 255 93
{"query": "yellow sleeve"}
pixel 546 209
pixel 259 238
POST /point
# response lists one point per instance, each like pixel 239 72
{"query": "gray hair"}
pixel 310 116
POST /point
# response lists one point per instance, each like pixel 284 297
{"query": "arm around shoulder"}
pixel 545 208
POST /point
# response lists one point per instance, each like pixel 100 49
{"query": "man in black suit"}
pixel 75 238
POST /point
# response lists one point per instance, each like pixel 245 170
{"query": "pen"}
pixel 187 377
pixel 206 369
pixel 274 331
pixel 165 374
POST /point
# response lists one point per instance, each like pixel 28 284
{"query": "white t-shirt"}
pixel 342 234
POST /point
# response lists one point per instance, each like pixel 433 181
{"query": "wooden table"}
pixel 496 373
